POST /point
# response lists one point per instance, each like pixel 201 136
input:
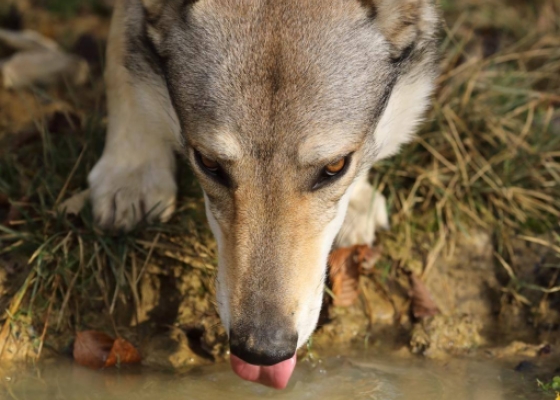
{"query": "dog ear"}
pixel 404 23
pixel 153 8
pixel 154 15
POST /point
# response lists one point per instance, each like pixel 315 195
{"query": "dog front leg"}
pixel 135 177
pixel 367 212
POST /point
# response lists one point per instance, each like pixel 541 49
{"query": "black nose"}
pixel 263 345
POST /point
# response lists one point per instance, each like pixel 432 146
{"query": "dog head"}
pixel 283 105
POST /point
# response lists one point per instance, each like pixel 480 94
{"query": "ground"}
pixel 474 205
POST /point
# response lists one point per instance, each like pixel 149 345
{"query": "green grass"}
pixel 551 387
pixel 71 265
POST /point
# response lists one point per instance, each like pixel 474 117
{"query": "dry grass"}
pixel 488 158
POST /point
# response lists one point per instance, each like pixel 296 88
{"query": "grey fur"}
pixel 273 83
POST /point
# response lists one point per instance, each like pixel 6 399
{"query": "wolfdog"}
pixel 281 108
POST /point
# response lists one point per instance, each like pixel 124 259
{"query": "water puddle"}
pixel 333 378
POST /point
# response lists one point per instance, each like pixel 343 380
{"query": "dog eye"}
pixel 332 171
pixel 213 169
pixel 210 167
pixel 209 164
pixel 335 167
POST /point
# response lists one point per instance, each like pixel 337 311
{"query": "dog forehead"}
pixel 267 70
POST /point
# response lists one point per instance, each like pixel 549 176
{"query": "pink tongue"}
pixel 276 376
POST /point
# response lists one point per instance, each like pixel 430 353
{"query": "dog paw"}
pixel 367 212
pixel 122 196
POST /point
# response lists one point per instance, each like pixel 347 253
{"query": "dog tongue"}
pixel 276 376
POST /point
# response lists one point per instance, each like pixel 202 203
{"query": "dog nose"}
pixel 264 345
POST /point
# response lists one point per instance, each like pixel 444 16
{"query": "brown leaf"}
pixel 27 40
pixel 423 305
pixel 92 348
pixel 43 67
pixel 123 352
pixel 73 205
pixel 366 257
pixel 344 276
pixel 346 263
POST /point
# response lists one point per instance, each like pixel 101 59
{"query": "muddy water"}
pixel 358 377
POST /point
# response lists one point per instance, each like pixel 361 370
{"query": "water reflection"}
pixel 363 377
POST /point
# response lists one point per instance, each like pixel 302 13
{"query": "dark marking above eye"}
pixel 187 3
pixel 371 8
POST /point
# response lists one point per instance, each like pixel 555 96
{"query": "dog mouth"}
pixel 276 376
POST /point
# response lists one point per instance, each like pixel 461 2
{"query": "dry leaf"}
pixel 423 305
pixel 346 264
pixel 344 276
pixel 122 352
pixel 96 350
pixel 43 67
pixel 27 40
pixel 74 204
pixel 92 348
pixel 39 61
pixel 366 257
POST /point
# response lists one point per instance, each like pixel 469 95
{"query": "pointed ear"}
pixel 157 14
pixel 153 8
pixel 405 23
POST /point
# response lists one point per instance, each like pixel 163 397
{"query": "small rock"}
pixel 169 350
pixel 517 348
pixel 545 350
pixel 441 336
pixel 525 366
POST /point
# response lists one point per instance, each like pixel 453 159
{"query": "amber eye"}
pixel 209 164
pixel 213 169
pixel 335 167
pixel 332 172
